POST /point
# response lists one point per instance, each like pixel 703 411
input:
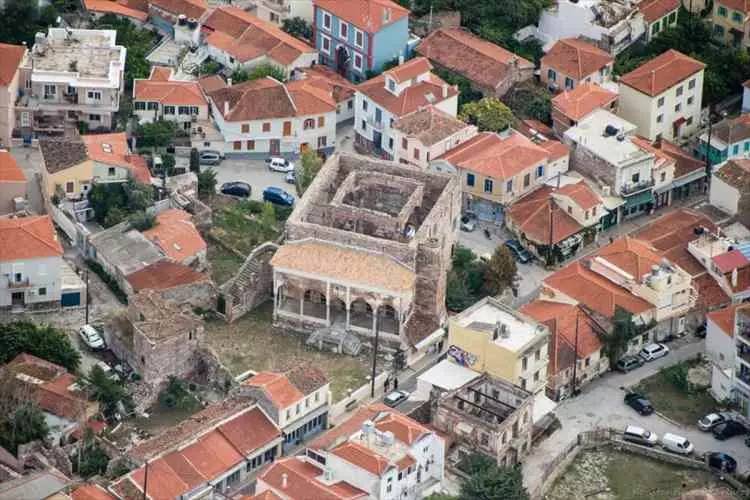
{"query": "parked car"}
pixel 639 435
pixel 700 331
pixel 519 252
pixel 628 363
pixel 676 444
pixel 395 398
pixel 721 461
pixel 711 420
pixel 651 352
pixel 639 403
pixel 90 336
pixel 210 157
pixel 237 188
pixel 291 177
pixel 278 196
pixel 111 374
pixel 728 429
pixel 468 224
pixel 279 164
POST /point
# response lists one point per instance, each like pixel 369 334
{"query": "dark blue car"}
pixel 519 252
pixel 278 196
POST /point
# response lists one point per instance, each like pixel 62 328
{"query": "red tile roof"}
pixel 116 7
pixel 581 194
pixel 576 58
pixel 290 387
pixel 635 257
pixel 362 457
pixel 728 261
pixel 429 125
pixel 368 15
pixel 326 79
pixel 740 5
pixel 710 294
pixel 495 156
pixel 28 238
pixel 211 83
pixel 736 173
pixel 176 235
pixel 191 8
pixel 419 94
pixel 662 72
pixel 472 57
pixel 531 216
pixel 556 149
pixel 160 73
pixel 168 92
pixel 302 482
pixel 724 319
pixel 653 10
pixel 9 169
pixel 582 100
pixel 685 163
pixel 113 149
pixel 91 492
pixel 163 275
pixel 403 428
pixel 10 59
pixel 245 37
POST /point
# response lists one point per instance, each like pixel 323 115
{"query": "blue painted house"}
pixel 357 36
pixel 730 138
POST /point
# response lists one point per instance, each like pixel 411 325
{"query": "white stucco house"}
pixel 161 97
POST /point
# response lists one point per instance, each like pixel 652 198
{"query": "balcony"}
pixel 636 187
pixel 14 284
pixel 277 6
pixel 377 125
pixel 743 377
pixel 743 353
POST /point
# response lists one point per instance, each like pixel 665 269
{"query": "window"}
pixel 94 118
pixel 536 376
pixel 168 110
pixel 321 121
pixel 526 180
pixel 655 28
pixel 327 21
pixel 183 110
pixel 297 409
pixel 350 104
pixel 343 29
pixel 19 277
pixel 95 94
pixel 487 186
pixel 586 215
pixel 416 153
pixel 245 128
pixel 679 91
pixel 390 143
pixel 593 211
pixel 509 186
pixel 111 171
pixel 317 396
pixel 267 127
pixel 359 38
pixel 237 145
pixel 391 85
pixel 539 171
pixel 307 404
pixel 357 62
pixel 570 209
pixel 722 11
pixel 322 142
pixel 152 106
pixel 194 110
pixel 288 414
pixel 364 126
pixel 551 75
pixel 735 149
pixel 677 107
pixel 690 100
pixel 42 292
pixel 69 187
pixel 635 177
pixel 469 179
pixel 538 354
pixel 569 83
pixel 663 177
pixel 250 145
pixel 139 105
pixel 524 363
pixel 190 335
pixel 308 124
pixel 691 84
pixel 736 17
pixel 400 475
pixel 405 145
pixel 325 44
pixel 660 102
pixel 485 439
pixel 672 17
pixel 659 118
pixel 718 30
pixel 50 91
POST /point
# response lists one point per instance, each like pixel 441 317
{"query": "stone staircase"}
pixel 252 284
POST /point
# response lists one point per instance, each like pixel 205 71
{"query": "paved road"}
pixel 254 172
pixel 601 405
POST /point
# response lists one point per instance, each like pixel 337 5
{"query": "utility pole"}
pixel 374 355
pixel 145 482
pixel 87 296
pixel 575 356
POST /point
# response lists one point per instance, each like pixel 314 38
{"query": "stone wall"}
pixel 252 285
pixel 201 294
pixel 587 163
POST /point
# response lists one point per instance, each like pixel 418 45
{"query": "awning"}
pixel 688 178
pixel 640 198
pixel 678 122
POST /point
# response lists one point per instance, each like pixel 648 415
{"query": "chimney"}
pixel 284 480
pixel 400 59
pixel 445 90
pixel 229 82
pixel 734 278
pixel 226 108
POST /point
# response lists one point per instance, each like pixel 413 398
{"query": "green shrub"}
pixel 177 396
pixel 108 280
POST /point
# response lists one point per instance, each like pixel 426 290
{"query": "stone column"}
pixel 328 303
pixel 302 304
pixel 348 306
pixel 375 318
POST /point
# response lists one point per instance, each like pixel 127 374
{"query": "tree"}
pixel 489 114
pixel 105 390
pixel 268 217
pixel 26 423
pixel 93 461
pixel 142 221
pixel 623 330
pixel 466 92
pixel 167 163
pixel 310 166
pixel 260 71
pixel 157 134
pixel 207 183
pixel 42 341
pixel 457 294
pixel 530 101
pixel 195 160
pixel 176 395
pixel 20 20
pixel 501 271
pixel 494 483
pixel 296 26
pixel 114 202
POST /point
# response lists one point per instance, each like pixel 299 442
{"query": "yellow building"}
pixel 489 337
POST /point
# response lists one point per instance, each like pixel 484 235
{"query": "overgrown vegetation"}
pixel 623 331
pixel 108 280
pixel 207 183
pixel 487 481
pixel 258 72
pixel 528 100
pixel 157 134
pixel 244 225
pixel 22 424
pixel 471 278
pixel 726 67
pixel 466 93
pixel 500 272
pixel 107 392
pixel 137 41
pixel 20 20
pixel 90 460
pixel 208 67
pixel 296 26
pixel 310 164
pixel 115 202
pixel 489 114
pixel 42 341
pixel 177 396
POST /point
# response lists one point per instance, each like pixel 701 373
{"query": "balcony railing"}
pixel 743 377
pixel 743 332
pixel 634 187
pixel 10 283
pixel 743 352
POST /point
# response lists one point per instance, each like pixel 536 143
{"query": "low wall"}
pixel 358 396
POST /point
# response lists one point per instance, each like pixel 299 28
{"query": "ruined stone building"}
pixel 368 247
pixel 157 338
pixel 490 416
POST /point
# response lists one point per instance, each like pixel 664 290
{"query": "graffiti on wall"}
pixel 461 357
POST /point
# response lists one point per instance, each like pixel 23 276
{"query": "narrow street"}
pixel 601 405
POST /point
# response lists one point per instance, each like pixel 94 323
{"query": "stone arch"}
pixel 361 313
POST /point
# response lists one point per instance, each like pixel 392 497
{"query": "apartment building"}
pixel 728 348
pixel 71 76
pixel 729 19
pixel 727 261
pixel 12 57
pixel 663 97
pixel 490 337
pixel 278 11
pixel 730 139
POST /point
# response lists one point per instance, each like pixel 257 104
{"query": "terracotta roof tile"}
pixel 662 72
pixel 59 153
pixel 160 73
pixel 556 149
pixel 653 10
pixel 635 257
pixel 28 238
pixel 171 93
pixel 736 173
pixel 419 94
pixel 278 388
pixel 91 492
pixel 472 57
pixel 302 482
pixel 119 8
pixel 191 8
pixel 10 59
pixel 9 169
pixel 685 163
pixel 368 15
pixel 362 457
pixel 728 261
pixel 325 78
pixel 355 266
pixel 350 426
pixel 724 319
pixel 163 275
pixel 582 100
pixel 250 431
pixel 429 125
pixel 581 194
pixel 176 235
pixel 531 216
pixel 576 58
pixel 732 130
pixel 495 156
pixel 410 70
pixel 212 83
pixel 710 294
pixel 403 428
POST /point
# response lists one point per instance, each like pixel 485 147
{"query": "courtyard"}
pixel 252 343
pixel 606 474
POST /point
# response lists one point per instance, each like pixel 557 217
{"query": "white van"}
pixel 676 444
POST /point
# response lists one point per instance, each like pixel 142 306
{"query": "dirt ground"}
pixel 251 343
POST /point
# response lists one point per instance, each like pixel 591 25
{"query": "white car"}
pixel 651 352
pixel 395 398
pixel 639 435
pixel 279 164
pixel 90 336
pixel 712 420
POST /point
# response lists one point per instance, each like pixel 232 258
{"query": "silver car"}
pixel 210 158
